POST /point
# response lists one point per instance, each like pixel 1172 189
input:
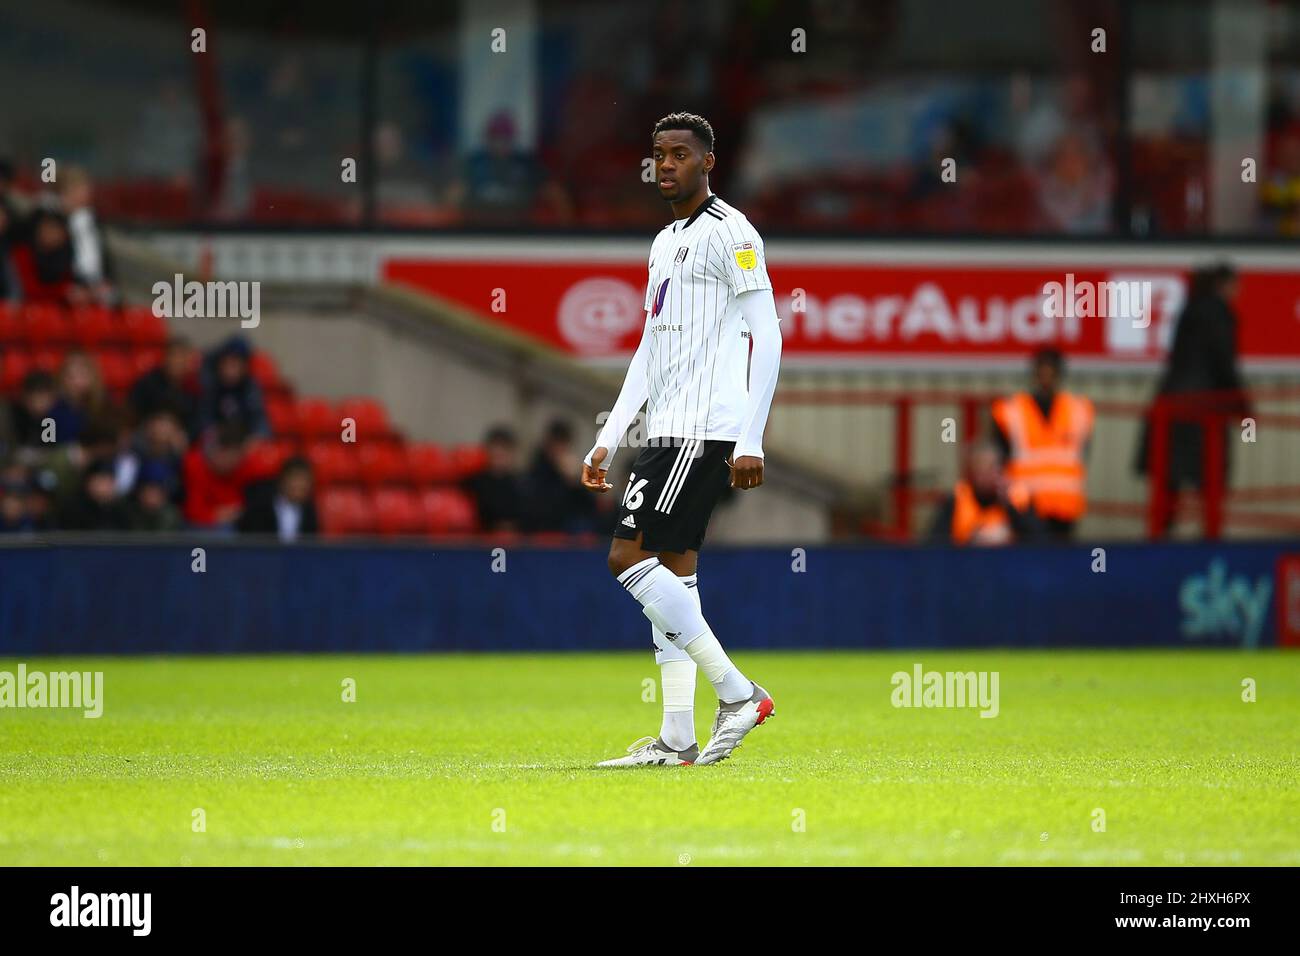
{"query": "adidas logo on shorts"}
pixel 629 521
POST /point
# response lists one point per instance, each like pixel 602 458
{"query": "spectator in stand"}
pixel 82 397
pixel 90 260
pixel 498 489
pixel 501 182
pixel 157 448
pixel 171 386
pixel 7 443
pixel 45 264
pixel 97 507
pixel 11 287
pixel 556 499
pixel 150 506
pixel 11 202
pixel 1074 191
pixel 985 508
pixel 15 516
pixel 1203 378
pixel 35 403
pixel 228 391
pixel 216 473
pixel 285 507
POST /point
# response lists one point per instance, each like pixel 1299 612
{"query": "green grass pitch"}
pixel 486 760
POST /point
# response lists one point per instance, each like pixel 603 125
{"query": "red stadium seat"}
pixel 46 326
pixel 116 368
pixel 449 511
pixel 146 359
pixel 11 324
pixel 142 327
pixel 398 511
pixel 48 359
pixel 14 365
pixel 370 416
pixel 94 327
pixel 334 462
pixel 264 371
pixel 345 511
pixel 384 463
pixel 468 460
pixel 430 464
pixel 265 458
pixel 317 418
pixel 282 415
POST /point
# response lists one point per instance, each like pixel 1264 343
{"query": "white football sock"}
pixel 669 605
pixel 678 727
pixel 677 680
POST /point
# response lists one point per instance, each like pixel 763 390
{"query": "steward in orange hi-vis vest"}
pixel 986 523
pixel 984 509
pixel 1046 436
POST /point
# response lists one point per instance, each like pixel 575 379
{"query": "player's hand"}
pixel 746 472
pixel 593 476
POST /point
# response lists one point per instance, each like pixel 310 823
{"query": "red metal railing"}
pixel 1213 411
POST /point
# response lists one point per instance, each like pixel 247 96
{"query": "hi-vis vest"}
pixel 1047 456
pixel 972 523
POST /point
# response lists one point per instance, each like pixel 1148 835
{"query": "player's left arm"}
pixel 759 309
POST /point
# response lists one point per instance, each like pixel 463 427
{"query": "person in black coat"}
pixel 1203 359
pixel 284 508
pixel 556 500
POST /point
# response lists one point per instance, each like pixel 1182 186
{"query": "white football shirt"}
pixel 699 344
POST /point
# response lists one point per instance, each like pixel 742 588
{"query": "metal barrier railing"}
pixel 1214 502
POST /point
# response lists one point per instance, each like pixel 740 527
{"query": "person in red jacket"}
pixel 215 473
pixel 45 266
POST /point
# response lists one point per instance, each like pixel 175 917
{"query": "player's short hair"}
pixel 689 121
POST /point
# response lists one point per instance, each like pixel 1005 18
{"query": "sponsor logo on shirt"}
pixel 746 255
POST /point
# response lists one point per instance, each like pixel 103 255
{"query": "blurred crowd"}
pixel 52 247
pixel 540 495
pixel 805 143
pixel 176 452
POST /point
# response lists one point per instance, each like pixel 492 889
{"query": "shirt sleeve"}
pixel 635 392
pixel 737 257
pixel 759 311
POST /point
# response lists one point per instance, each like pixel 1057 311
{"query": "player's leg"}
pixel 676 669
pixel 668 502
pixel 671 607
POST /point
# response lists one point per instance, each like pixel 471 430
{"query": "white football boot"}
pixel 652 751
pixel 733 722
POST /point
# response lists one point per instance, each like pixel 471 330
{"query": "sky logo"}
pixel 1215 605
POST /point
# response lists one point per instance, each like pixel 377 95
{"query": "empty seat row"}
pixel 396 511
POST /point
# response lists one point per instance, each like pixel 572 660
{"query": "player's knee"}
pixel 621 557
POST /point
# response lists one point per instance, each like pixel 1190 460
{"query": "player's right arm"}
pixel 635 391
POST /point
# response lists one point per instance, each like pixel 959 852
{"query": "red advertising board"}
pixel 856 311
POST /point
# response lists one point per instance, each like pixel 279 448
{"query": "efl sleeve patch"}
pixel 746 255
